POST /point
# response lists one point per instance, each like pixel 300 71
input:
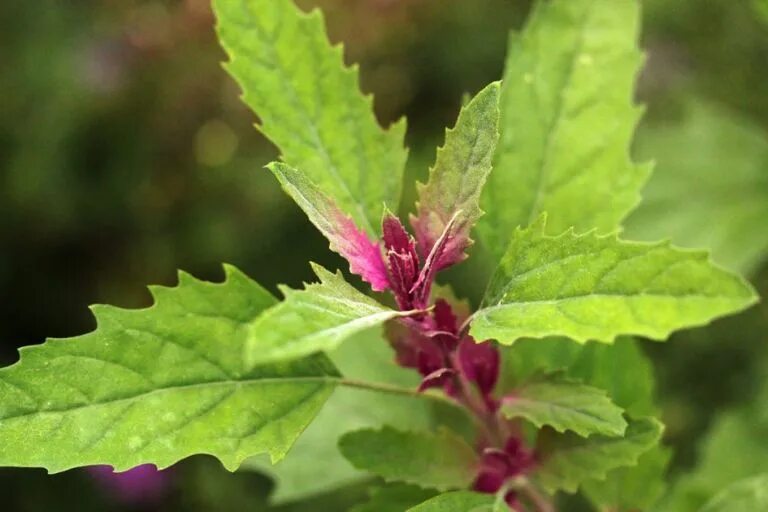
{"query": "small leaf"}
pixel 157 385
pixel 394 498
pixel 565 405
pixel 364 256
pixel 315 319
pixel 591 287
pixel 456 181
pixel 567 120
pixel 748 495
pixel 568 460
pixel 309 104
pixel 457 501
pixel 439 460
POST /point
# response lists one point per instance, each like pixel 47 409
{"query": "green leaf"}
pixel 363 254
pixel 157 385
pixel 748 495
pixel 440 460
pixel 564 405
pixel 394 498
pixel 310 106
pixel 365 356
pixel 568 460
pixel 632 488
pixel 457 501
pixel 711 186
pixel 567 120
pixel 456 181
pixel 591 287
pixel 315 319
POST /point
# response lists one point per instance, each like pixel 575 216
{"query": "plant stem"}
pixel 397 390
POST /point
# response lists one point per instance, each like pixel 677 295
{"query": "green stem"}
pixel 397 390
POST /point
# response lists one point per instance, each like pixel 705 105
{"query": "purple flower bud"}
pixel 480 363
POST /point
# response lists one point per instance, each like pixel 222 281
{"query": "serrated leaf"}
pixel 309 104
pixel 457 501
pixel 568 460
pixel 564 404
pixel 315 319
pixel 748 495
pixel 364 255
pixel 631 488
pixel 567 120
pixel 157 385
pixel 457 178
pixel 710 188
pixel 394 498
pixel 440 460
pixel 365 356
pixel 593 287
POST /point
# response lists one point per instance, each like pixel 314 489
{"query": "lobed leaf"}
pixel 364 255
pixel 309 104
pixel 315 319
pixel 457 501
pixel 592 287
pixel 157 385
pixel 564 404
pixel 457 179
pixel 567 121
pixel 440 460
pixel 567 460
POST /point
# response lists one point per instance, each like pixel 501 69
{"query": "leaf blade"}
pixel 457 501
pixel 315 319
pixel 592 287
pixel 310 106
pixel 456 180
pixel 567 121
pixel 567 461
pixel 564 404
pixel 94 393
pixel 439 460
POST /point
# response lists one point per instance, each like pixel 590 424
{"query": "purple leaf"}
pixel 403 261
pixel 457 179
pixel 479 362
pixel 364 255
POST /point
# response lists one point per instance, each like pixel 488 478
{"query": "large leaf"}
pixel 315 319
pixel 310 106
pixel 457 501
pixel 567 121
pixel 568 460
pixel 591 287
pixel 748 495
pixel 711 186
pixel 564 404
pixel 456 181
pixel 368 357
pixel 440 460
pixel 364 255
pixel 157 385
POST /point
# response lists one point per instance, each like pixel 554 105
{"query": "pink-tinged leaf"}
pixel 457 179
pixel 437 379
pixel 423 286
pixel 403 261
pixel 479 362
pixel 363 254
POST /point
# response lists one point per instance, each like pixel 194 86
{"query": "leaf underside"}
pixel 157 385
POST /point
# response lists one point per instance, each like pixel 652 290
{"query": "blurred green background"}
pixel 125 154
